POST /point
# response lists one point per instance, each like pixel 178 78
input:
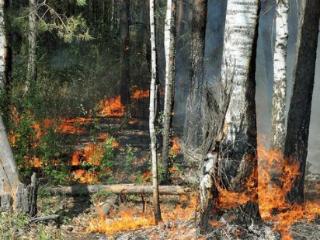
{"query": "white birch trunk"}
pixel 239 141
pixel 169 43
pixel 152 109
pixel 9 179
pixel 240 27
pixel 2 45
pixel 280 79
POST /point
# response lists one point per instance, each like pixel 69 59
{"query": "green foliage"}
pixel 45 147
pixel 45 233
pixel 109 154
pixel 69 29
pixel 10 223
pixel 81 3
pixel 130 155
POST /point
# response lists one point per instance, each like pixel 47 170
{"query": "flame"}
pixel 176 147
pixel 229 199
pixel 91 153
pixel 71 126
pixel 138 94
pixel 112 107
pixel 129 219
pixel 84 176
pixel 273 196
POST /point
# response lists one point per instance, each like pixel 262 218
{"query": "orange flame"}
pixel 273 196
pixel 130 219
pixel 176 147
pixel 138 94
pixel 112 107
pixel 228 199
pixel 84 176
pixel 71 126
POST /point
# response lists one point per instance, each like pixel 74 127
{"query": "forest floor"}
pixel 81 218
pixel 129 217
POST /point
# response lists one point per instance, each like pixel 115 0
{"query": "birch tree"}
pixel 232 154
pixel 280 78
pixel 8 170
pixel 296 146
pixel 169 44
pixel 11 189
pixel 152 117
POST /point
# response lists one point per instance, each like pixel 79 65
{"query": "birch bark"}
pixel 152 109
pixel 239 142
pixel 280 79
pixel 169 43
pixel 2 45
pixel 9 179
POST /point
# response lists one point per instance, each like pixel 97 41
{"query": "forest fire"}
pixel 138 94
pixel 34 162
pixel 112 107
pixel 273 202
pixel 84 176
pixel 129 219
pixel 229 199
pixel 175 146
pixel 91 153
pixel 71 126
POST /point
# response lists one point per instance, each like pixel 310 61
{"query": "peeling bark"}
pixel 238 145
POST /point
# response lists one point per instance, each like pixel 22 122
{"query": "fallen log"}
pixel 44 218
pixel 116 189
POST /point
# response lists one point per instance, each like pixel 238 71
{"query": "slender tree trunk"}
pixel 296 146
pixel 279 93
pixel 180 17
pixel 280 76
pixel 124 57
pixel 7 63
pixel 3 44
pixel 192 136
pixel 32 41
pixel 169 43
pixel 153 102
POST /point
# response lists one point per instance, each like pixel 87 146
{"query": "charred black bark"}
pixel 296 146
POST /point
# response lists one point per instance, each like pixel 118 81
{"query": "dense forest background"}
pixel 84 98
pixel 74 75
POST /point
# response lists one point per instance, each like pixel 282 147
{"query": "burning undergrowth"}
pixel 276 176
pixel 132 218
pixel 273 194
